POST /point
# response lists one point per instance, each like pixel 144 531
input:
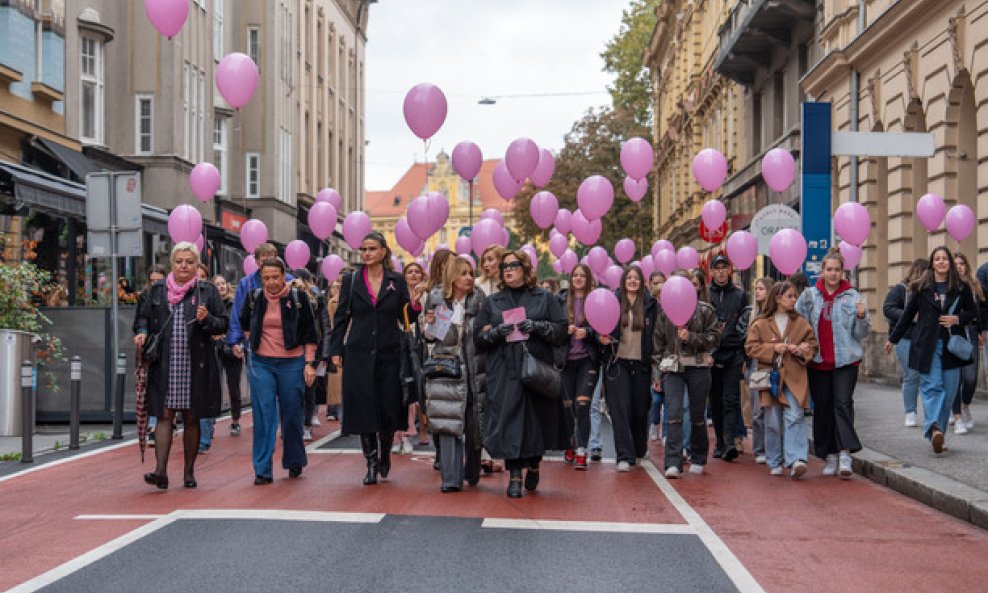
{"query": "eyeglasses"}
pixel 513 265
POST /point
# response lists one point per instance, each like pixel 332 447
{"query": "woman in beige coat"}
pixel 782 339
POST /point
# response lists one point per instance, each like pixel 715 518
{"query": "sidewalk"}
pixel 955 482
pixel 54 438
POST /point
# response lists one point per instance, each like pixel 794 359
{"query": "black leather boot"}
pixel 532 478
pixel 386 439
pixel 368 442
pixel 514 484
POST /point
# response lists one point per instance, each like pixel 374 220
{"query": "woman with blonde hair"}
pixel 490 259
pixel 762 287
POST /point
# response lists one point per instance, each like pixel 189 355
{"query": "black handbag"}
pixel 152 345
pixel 539 377
pixel 410 366
pixel 442 367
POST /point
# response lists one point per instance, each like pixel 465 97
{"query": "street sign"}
pixel 883 144
pixel 113 204
pixel 816 138
pixel 770 220
pixel 713 237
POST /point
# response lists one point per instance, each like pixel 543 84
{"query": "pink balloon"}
pixel 778 169
pixel 851 253
pixel 662 244
pixel 713 214
pixel 636 158
pixel 602 310
pixel 931 211
pixel 425 109
pixel 504 183
pixel 253 233
pixel 742 249
pixel 544 208
pixel 852 222
pixel 237 78
pixel 595 196
pixel 328 194
pixel 493 214
pixel 647 265
pixel 297 254
pixel 418 217
pixel 586 262
pixel 467 160
pixel 521 158
pixel 442 247
pixel 533 255
pixel 624 250
pixel 558 245
pixel 438 211
pixel 184 224
pixel 678 300
pixel 332 266
pixel 396 264
pixel 635 190
pixel 597 256
pixel 788 250
pixel 557 267
pixel 665 261
pixel 485 233
pixel 564 221
pixel 462 245
pixel 568 260
pixel 710 169
pixel 687 258
pixel 586 231
pixel 356 225
pixel 322 220
pixel 205 181
pixel 200 243
pixel 250 265
pixel 613 276
pixel 960 222
pixel 470 259
pixel 542 174
pixel 406 238
pixel 167 16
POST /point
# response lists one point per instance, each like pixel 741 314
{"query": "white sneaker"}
pixel 760 459
pixel 315 420
pixel 396 448
pixel 775 471
pixel 845 467
pixel 951 421
pixel 696 469
pixel 653 433
pixel 966 415
pixel 406 446
pixel 960 427
pixel 798 469
pixel 910 420
pixel 623 466
pixel 307 434
pixel 672 473
pixel 830 467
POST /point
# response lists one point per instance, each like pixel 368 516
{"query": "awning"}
pixel 77 162
pixel 45 192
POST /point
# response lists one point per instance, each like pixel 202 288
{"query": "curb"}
pixel 932 489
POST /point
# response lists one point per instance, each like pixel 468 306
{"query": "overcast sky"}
pixel 477 48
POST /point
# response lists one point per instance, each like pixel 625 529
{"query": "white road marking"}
pixel 119 517
pixel 597 526
pixel 735 571
pixel 313 448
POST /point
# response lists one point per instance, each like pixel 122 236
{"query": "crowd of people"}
pixel 496 368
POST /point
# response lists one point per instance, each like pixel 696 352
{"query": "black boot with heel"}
pixel 514 484
pixel 386 439
pixel 368 442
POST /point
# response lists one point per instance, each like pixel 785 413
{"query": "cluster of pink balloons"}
pixel 932 212
pixel 636 160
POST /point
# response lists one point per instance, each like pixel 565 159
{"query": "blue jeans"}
pixel 206 427
pixel 789 443
pixel 595 414
pixel 277 386
pixel 655 412
pixel 910 377
pixel 938 389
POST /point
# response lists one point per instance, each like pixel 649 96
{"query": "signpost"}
pixel 770 220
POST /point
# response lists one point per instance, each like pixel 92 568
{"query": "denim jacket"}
pixel 849 331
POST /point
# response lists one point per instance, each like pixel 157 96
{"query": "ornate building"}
pixel 386 207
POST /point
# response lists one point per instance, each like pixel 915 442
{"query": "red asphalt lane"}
pixel 819 534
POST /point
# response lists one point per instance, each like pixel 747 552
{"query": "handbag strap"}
pixel 408 326
pixel 954 306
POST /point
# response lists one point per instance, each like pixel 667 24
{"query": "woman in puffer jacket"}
pixel 453 404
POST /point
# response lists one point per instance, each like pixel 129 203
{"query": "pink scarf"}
pixel 176 291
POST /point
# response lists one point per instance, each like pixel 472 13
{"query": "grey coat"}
pixel 454 405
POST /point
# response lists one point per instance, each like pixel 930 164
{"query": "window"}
pixel 217 30
pixel 193 111
pixel 252 184
pixel 201 127
pixel 254 45
pixel 91 90
pixel 143 124
pixel 185 110
pixel 285 166
pixel 220 125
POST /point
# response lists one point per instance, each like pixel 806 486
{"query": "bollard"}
pixel 75 374
pixel 27 412
pixel 119 396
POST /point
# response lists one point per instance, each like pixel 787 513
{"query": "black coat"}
pixel 650 307
pixel 927 330
pixel 895 304
pixel 519 424
pixel 151 318
pixel 298 325
pixel 730 302
pixel 368 338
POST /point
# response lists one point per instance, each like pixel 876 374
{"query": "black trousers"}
pixel 233 368
pixel 626 384
pixel 969 382
pixel 833 410
pixel 725 400
pixel 579 380
pixel 697 381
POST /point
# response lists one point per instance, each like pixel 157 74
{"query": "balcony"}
pixel 753 29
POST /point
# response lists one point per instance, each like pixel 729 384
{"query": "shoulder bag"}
pixel 152 346
pixel 959 346
pixel 539 377
pixel 410 365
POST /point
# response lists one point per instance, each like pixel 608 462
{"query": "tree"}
pixel 623 57
pixel 593 147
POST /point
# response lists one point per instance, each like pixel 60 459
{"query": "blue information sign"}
pixel 815 183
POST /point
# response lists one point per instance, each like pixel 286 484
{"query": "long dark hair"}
pixel 969 278
pixel 915 272
pixel 571 293
pixel 928 279
pixel 772 305
pixel 637 308
pixel 376 236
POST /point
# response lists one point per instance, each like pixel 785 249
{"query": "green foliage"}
pixel 21 288
pixel 15 456
pixel 632 87
pixel 99 436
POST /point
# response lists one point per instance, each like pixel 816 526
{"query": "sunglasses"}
pixel 510 266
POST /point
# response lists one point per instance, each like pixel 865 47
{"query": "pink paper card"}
pixel 515 316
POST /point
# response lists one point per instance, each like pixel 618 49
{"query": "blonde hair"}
pixel 454 267
pixel 184 246
pixel 498 252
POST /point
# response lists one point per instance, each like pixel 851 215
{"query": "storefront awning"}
pixel 45 192
pixel 77 162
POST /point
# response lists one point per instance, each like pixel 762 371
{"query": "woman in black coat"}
pixel 627 368
pixel 185 313
pixel 371 306
pixel 945 307
pixel 519 424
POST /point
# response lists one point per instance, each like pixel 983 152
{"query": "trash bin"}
pixel 15 348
